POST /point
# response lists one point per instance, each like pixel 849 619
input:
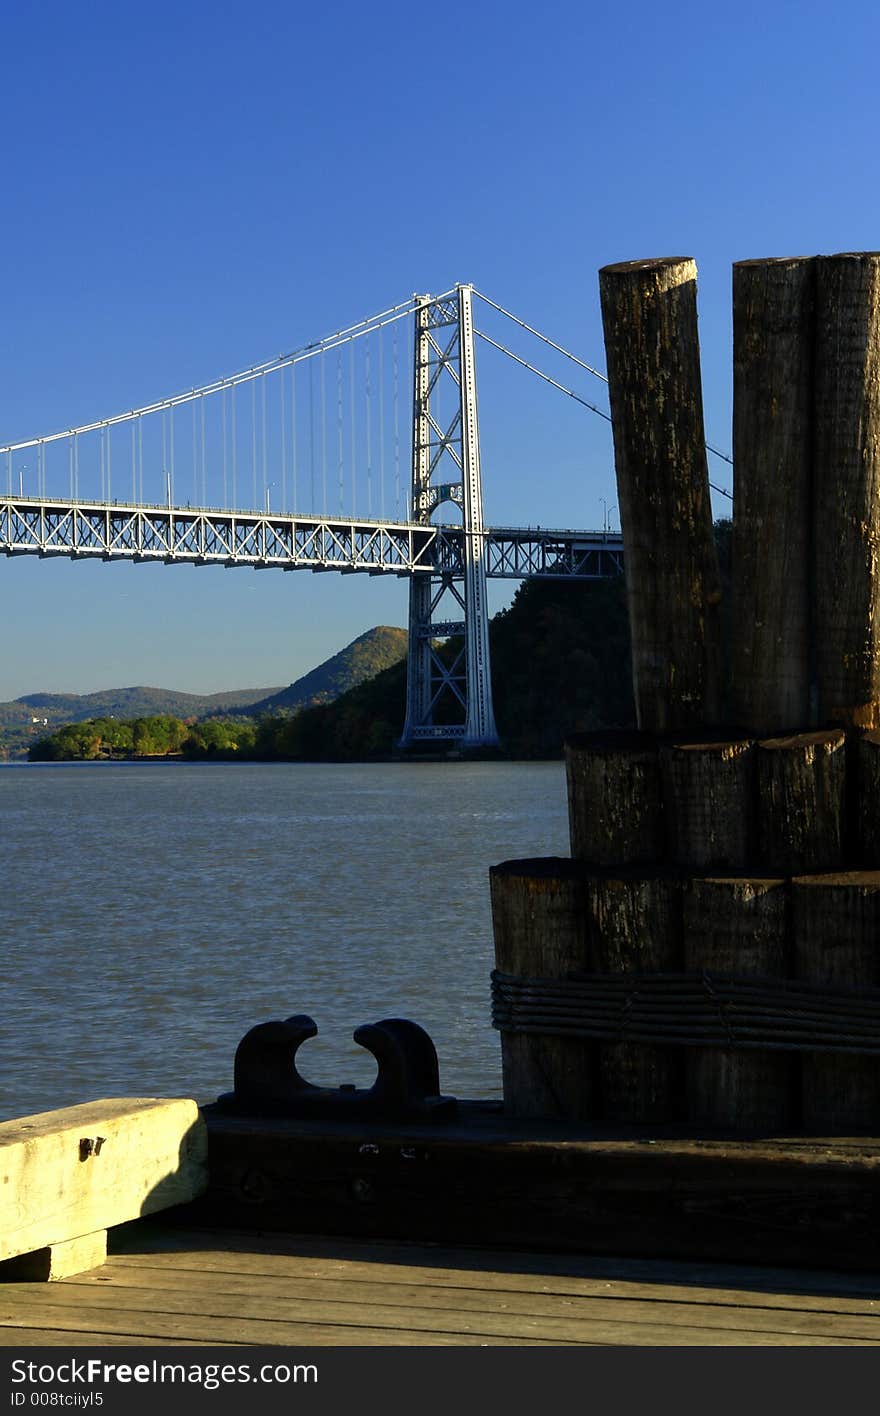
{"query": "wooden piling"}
pixel 615 798
pixel 836 927
pixel 865 767
pixel 738 926
pixel 539 920
pixel 801 802
pixel 649 314
pixel 773 337
pixel 708 796
pixel 846 504
pixel 635 923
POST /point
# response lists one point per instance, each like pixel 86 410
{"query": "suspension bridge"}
pixel 320 428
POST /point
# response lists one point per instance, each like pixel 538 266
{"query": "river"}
pixel 153 913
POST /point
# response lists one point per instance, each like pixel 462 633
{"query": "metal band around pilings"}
pixel 691 1010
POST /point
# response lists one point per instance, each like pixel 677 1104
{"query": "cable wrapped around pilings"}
pixel 691 1010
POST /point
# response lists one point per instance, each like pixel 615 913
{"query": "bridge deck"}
pixel 166 1286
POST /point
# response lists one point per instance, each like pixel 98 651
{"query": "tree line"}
pixel 560 661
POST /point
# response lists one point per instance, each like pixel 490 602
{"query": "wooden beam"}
pixel 75 1172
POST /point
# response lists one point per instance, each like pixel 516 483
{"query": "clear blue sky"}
pixel 191 188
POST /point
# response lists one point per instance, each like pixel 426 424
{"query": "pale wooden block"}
pixel 69 1173
pixel 58 1260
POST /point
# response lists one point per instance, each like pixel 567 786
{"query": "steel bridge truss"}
pixel 201 536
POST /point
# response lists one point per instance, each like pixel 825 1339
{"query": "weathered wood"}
pixel 578 1190
pixel 649 314
pixel 836 927
pixel 615 798
pixel 739 926
pixel 635 926
pixel 865 776
pixel 58 1260
pixel 540 926
pixel 708 790
pixel 773 336
pixel 802 783
pixel 68 1173
pixel 847 489
pixel 580 1314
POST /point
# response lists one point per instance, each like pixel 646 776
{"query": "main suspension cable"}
pixel 570 393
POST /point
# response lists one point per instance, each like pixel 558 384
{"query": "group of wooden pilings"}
pixel 735 871
pixel 671 878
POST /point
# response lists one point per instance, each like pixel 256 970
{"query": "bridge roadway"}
pixel 207 536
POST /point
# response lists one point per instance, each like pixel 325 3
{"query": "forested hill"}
pixel 560 664
pixel 26 719
pixel 136 702
pixel 362 659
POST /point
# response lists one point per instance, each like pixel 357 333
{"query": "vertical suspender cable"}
pixel 109 451
pixel 381 424
pixel 225 449
pixel 395 378
pixel 171 451
pixel 265 455
pixel 101 459
pixel 324 434
pixel 76 465
pixel 134 423
pixel 234 455
pixel 283 445
pixel 254 445
pixel 195 466
pixel 204 459
pixel 293 498
pixel 368 393
pixel 351 382
pixel 69 466
pixel 339 457
pixel 312 506
pixel 140 460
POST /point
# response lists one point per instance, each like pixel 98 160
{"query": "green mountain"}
pixel 365 657
pixel 137 702
pixel 560 665
pixel 38 715
pixel 26 719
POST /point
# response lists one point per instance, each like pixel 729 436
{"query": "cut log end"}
pixel 685 267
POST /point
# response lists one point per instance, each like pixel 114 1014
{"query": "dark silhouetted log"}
pixel 615 799
pixel 636 928
pixel 708 790
pixel 836 925
pixel 649 313
pixel 801 802
pixel 866 764
pixel 847 489
pixel 739 926
pixel 539 920
pixel 773 330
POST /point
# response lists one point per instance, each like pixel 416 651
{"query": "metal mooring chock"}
pixel 407 1087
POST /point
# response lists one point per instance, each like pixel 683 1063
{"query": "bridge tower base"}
pixel 449 679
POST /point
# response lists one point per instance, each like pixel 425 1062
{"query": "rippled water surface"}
pixel 151 914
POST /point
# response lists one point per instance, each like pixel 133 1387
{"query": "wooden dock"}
pixel 163 1285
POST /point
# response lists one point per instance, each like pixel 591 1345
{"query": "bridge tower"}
pixel 449 686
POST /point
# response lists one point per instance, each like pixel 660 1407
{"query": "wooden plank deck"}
pixel 167 1286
